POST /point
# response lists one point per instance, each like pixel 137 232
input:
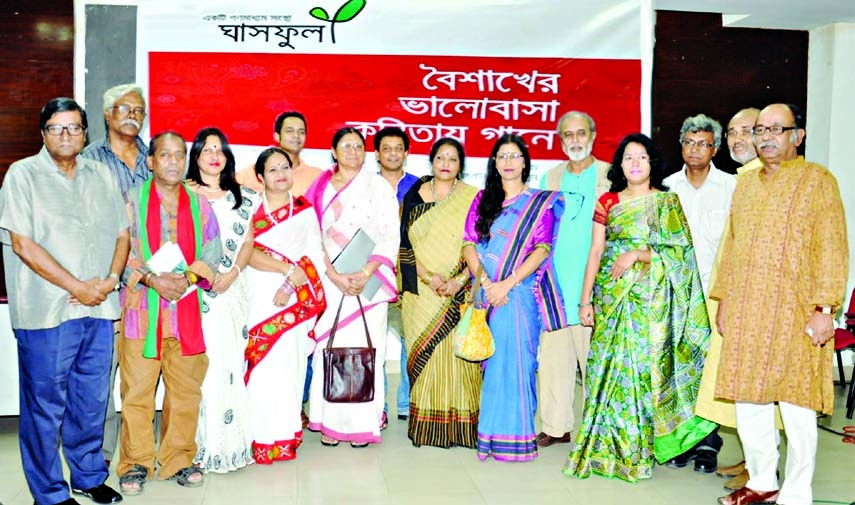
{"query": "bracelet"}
pixel 516 280
pixel 585 305
pixel 289 272
pixel 146 278
pixel 238 268
pixel 366 272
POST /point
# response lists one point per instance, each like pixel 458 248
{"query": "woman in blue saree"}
pixel 509 232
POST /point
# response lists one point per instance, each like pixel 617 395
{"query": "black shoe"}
pixel 706 461
pixel 100 494
pixel 403 417
pixel 682 460
pixel 70 501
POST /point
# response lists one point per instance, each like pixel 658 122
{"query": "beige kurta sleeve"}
pixel 829 248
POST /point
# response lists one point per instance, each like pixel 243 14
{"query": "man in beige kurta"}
pixel 740 144
pixel 782 277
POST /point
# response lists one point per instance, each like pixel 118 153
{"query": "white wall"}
pixel 8 365
pixel 830 128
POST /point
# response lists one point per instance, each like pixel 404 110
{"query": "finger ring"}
pixel 483 278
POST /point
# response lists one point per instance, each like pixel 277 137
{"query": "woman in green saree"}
pixel 651 330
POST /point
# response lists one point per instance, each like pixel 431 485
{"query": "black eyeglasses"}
pixel 125 109
pixel 73 129
pixel 774 130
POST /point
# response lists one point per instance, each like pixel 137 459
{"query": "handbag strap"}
pixel 476 284
pixel 338 315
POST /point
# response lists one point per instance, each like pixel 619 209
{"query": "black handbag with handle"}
pixel 349 371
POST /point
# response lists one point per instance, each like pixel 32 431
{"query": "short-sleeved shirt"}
pixel 574 235
pixel 126 176
pixel 75 220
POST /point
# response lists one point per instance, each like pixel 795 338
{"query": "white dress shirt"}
pixel 706 209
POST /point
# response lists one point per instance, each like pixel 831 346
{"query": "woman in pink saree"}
pixel 347 198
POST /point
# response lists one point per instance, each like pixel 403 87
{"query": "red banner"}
pixel 474 99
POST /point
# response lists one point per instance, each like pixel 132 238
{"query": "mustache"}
pixel 133 122
pixel 770 143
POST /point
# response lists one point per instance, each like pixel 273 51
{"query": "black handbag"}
pixel 349 371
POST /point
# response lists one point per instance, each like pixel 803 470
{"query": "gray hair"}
pixel 116 92
pixel 577 114
pixel 702 123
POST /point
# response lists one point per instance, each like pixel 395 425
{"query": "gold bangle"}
pixel 366 272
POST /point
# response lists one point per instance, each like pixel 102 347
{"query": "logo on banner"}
pixel 283 33
pixel 345 13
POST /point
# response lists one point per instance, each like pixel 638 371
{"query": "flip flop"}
pixel 849 430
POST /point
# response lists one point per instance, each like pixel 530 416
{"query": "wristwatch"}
pixel 824 309
pixel 115 277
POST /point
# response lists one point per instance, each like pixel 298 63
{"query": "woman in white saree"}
pixel 347 198
pixel 285 299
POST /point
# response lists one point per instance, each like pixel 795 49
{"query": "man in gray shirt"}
pixel 65 242
pixel 125 154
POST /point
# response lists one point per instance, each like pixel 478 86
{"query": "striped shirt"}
pixel 127 178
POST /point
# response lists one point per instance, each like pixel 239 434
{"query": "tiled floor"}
pixel 395 472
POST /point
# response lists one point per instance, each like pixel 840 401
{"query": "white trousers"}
pixel 756 427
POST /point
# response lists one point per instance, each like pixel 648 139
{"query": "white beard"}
pixel 580 155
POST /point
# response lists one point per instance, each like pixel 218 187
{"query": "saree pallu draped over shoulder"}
pixel 648 348
pixel 508 398
pixel 280 338
pixel 368 203
pixel 445 390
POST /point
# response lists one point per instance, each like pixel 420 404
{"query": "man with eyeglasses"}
pixel 65 242
pixel 740 142
pixel 122 149
pixel 124 153
pixel 783 274
pixel 582 179
pixel 705 194
pixel 289 132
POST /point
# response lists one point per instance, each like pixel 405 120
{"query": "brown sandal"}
pixel 746 496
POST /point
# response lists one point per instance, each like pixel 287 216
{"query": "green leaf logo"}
pixel 345 13
pixel 349 10
pixel 320 13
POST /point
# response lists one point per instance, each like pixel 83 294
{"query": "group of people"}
pixel 223 281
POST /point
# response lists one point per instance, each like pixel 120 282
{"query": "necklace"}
pixel 433 190
pixel 267 207
pixel 208 189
